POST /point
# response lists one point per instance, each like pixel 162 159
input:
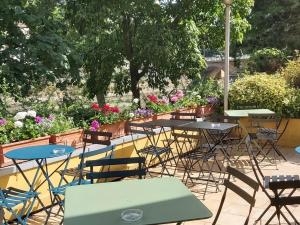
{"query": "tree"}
pixel 275 24
pixel 33 48
pixel 127 40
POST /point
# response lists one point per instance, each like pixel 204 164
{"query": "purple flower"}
pixel 95 124
pixel 93 129
pixel 2 122
pixel 38 119
pixel 212 100
pixel 143 112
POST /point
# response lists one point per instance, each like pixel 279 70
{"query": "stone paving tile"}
pixel 234 210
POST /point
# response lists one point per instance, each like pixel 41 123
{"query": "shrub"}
pixel 262 90
pixel 267 60
pixel 292 73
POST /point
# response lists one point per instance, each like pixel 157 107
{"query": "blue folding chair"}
pixel 79 173
pixel 12 197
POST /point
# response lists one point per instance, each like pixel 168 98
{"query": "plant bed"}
pixel 162 116
pixel 71 137
pixel 21 144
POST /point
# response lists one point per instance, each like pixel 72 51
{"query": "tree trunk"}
pixel 134 77
pixel 100 98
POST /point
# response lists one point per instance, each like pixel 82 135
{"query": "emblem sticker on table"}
pixel 58 151
pixel 131 215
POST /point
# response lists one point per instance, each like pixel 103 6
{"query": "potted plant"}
pixel 109 119
pixel 160 106
pixel 63 131
pixel 24 129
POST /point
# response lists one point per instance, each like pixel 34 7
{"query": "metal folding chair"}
pixel 245 195
pixel 89 137
pixel 12 197
pixel 196 159
pixel 268 130
pixel 277 184
pixel 158 155
pixel 78 174
pixel 115 175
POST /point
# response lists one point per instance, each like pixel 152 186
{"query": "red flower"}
pixel 106 107
pixel 95 106
pixel 115 109
pixel 152 98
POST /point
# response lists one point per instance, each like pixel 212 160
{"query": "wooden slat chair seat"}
pixel 13 197
pixel 138 171
pixel 245 195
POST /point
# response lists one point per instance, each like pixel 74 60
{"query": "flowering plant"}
pixel 158 105
pixel 106 114
pixel 23 126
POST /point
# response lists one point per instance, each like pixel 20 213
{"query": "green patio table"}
pixel 163 200
pixel 246 112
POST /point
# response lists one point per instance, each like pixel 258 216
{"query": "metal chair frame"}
pixel 140 171
pixel 239 191
pixel 11 197
pixel 274 183
pixel 151 148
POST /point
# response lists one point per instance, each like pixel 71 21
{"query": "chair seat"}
pixel 267 133
pixel 196 155
pixel 75 172
pixel 14 197
pixel 61 189
pixel 153 150
pixel 269 179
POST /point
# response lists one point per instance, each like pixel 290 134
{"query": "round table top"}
pixel 39 152
pixel 297 149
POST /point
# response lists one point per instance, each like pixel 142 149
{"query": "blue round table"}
pixel 40 154
pixel 297 149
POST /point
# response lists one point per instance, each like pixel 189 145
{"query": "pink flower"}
pixel 174 99
pixel 93 129
pixel 3 122
pixel 38 119
pixel 95 125
pixel 51 117
pixel 179 94
pixel 165 100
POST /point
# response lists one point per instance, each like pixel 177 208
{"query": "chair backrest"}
pixel 183 116
pixel 97 137
pixel 139 171
pixel 238 190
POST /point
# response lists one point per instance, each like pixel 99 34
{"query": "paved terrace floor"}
pixel 234 210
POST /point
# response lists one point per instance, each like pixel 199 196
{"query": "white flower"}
pixel 31 113
pixel 194 93
pixel 136 100
pixel 131 115
pixel 198 96
pixel 18 124
pixel 20 116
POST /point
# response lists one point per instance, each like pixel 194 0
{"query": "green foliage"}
pixel 60 124
pixel 34 50
pixel 159 107
pixel 132 39
pixel 292 73
pixel 275 24
pixel 267 60
pixel 264 91
pixel 205 88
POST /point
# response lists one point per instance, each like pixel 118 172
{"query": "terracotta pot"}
pixel 20 144
pixel 204 110
pixel 71 137
pixel 162 116
pixel 117 129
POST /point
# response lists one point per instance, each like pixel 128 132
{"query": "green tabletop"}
pixel 163 200
pixel 246 112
